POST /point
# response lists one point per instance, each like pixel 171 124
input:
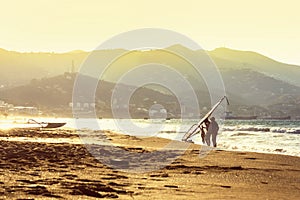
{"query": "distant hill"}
pixel 46 64
pixel 55 94
pixel 234 59
pixel 252 81
pixel 20 68
pixel 249 93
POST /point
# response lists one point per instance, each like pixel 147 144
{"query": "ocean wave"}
pixel 294 131
pixel 242 134
pixel 247 128
pixel 272 150
pixel 262 129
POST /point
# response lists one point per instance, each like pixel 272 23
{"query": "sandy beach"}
pixel 38 170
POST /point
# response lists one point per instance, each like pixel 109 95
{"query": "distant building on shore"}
pixel 6 108
pixel 25 110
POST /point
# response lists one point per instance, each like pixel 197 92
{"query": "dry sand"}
pixel 31 170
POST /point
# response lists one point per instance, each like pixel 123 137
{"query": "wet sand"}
pixel 138 168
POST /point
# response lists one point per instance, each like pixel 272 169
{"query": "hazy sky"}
pixel 266 26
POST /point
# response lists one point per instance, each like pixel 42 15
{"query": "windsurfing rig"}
pixel 196 127
pixel 46 124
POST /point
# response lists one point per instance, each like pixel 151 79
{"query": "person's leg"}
pixel 207 138
pixel 214 139
pixel 203 137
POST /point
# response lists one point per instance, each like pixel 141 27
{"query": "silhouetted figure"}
pixel 212 132
pixel 204 129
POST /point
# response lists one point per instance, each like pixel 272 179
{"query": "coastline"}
pixel 278 137
pixel 61 170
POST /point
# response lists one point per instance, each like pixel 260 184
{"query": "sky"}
pixel 269 27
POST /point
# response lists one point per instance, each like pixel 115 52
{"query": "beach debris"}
pixel 171 186
pixel 225 186
pixel 164 175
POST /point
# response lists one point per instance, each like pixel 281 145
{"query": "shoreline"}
pixel 70 135
pixel 65 171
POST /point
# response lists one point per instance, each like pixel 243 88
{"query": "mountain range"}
pixel 253 82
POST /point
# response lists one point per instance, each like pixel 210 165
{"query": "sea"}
pixel 264 136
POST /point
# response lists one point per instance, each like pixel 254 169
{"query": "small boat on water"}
pixel 229 115
pixel 242 117
pixel 276 118
pixel 30 124
pixel 47 124
pixel 53 125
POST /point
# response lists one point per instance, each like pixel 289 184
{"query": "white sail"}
pixel 194 129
